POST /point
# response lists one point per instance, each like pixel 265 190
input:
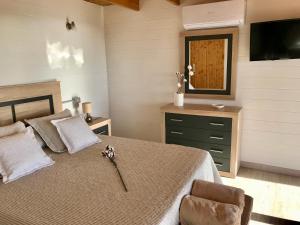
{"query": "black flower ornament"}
pixel 109 153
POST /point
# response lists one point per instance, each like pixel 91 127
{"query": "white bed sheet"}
pixel 206 171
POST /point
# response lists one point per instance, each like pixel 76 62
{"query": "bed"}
pixel 84 188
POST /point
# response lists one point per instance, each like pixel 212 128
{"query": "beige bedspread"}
pixel 84 188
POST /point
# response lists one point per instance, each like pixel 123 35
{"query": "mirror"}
pixel 208 69
pixel 210 63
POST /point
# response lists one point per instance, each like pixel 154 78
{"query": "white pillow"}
pixel 20 155
pixel 17 127
pixel 75 133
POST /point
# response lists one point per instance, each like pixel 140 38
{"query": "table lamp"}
pixel 87 109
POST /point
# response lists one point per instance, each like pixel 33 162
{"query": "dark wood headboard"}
pixel 26 101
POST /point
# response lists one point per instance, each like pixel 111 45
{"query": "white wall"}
pixel 143 56
pixel 35 46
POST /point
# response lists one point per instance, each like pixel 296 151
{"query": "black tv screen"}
pixel 275 40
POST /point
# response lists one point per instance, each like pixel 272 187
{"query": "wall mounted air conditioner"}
pixel 213 15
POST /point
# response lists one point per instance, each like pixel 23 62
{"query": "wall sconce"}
pixel 70 25
pixel 75 103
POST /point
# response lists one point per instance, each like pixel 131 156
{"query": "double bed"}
pixel 84 188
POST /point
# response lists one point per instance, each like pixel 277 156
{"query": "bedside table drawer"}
pixel 102 130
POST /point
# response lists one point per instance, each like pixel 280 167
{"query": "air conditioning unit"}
pixel 213 15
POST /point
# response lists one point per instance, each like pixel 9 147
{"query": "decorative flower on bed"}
pixel 109 153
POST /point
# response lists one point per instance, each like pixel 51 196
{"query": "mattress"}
pixel 84 188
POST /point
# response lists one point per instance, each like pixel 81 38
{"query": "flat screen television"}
pixel 275 40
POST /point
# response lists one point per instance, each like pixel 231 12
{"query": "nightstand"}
pixel 101 126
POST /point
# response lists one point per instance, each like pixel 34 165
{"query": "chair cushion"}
pixel 200 211
pixel 219 193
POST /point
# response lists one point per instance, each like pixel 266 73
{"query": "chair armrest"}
pixel 246 215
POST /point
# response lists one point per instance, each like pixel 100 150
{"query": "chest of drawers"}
pixel 204 127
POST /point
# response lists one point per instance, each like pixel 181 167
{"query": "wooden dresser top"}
pixel 199 109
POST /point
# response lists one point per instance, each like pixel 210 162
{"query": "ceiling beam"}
pixel 131 4
pixel 99 2
pixel 176 2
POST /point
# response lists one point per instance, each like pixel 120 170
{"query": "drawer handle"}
pixel 175 132
pixel 216 150
pixel 216 138
pixel 217 124
pixel 218 164
pixel 176 120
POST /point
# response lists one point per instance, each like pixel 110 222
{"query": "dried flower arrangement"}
pixel 109 153
pixel 191 70
pixel 180 82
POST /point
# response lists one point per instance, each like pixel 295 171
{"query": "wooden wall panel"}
pixel 6 116
pixel 32 110
pixel 16 92
pixel 207 56
pixel 29 110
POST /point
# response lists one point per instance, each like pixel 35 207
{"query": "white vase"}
pixel 178 99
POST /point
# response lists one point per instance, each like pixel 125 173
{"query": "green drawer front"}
pixel 222 164
pixel 203 122
pixel 216 150
pixel 199 135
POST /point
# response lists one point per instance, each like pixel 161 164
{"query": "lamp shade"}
pixel 87 107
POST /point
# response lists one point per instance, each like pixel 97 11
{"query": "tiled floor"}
pixel 257 223
pixel 274 195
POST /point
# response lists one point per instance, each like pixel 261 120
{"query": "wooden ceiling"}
pixel 99 2
pixel 135 4
pixel 131 4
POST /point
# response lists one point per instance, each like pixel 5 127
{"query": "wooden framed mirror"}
pixel 210 61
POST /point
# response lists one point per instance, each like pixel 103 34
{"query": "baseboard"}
pixel 272 169
pixel 272 220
